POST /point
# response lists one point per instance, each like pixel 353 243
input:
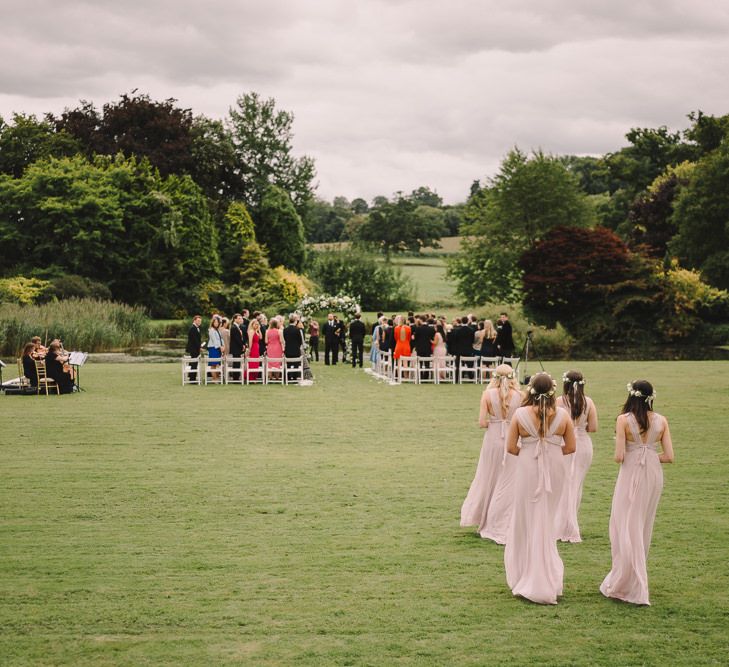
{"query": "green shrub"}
pixel 70 286
pixel 82 324
pixel 379 285
pixel 23 291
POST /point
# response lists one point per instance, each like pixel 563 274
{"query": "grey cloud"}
pixel 388 95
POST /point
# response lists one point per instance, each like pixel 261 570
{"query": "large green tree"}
pixel 280 229
pixel 701 215
pixel 262 136
pixel 401 226
pixel 529 196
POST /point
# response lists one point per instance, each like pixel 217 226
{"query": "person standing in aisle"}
pixel 357 335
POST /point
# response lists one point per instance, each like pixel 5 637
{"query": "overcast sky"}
pixel 388 94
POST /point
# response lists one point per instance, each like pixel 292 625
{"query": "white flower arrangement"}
pixel 639 394
pixel 343 303
pixel 565 380
pixel 546 394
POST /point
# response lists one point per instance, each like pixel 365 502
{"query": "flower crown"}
pixel 510 376
pixel 566 380
pixel 544 394
pixel 639 394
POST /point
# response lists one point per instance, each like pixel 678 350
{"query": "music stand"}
pixel 2 365
pixel 78 359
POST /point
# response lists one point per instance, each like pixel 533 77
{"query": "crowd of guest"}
pixel 53 359
pixel 431 336
pixel 250 335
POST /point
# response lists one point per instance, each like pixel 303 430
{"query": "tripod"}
pixel 527 349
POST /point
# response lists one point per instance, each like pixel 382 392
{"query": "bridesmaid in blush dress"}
pixel 584 418
pixel 638 433
pixel 499 402
pixel 539 435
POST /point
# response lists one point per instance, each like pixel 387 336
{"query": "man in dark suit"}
pixel 331 340
pixel 244 327
pixel 356 335
pixel 292 341
pixel 423 338
pixel 504 337
pixel 236 341
pixel 194 342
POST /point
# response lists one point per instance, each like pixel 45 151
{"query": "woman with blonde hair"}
pixel 274 344
pixel 540 434
pixel 639 435
pixel 487 506
pixel 254 349
pixel 488 342
pixel 403 333
pixel 584 418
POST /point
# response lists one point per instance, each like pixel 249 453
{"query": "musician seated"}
pixel 58 368
pixel 29 369
pixel 40 350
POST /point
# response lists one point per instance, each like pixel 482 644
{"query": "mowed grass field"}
pixel 143 523
pixel 429 279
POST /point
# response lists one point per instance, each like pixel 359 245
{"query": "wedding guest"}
pixel 540 433
pixel 356 335
pixel 236 341
pixel 439 349
pixel 216 347
pixel 254 350
pixel 478 335
pixel 225 333
pixel 274 346
pixel 584 418
pixel 488 342
pixel 29 359
pixel 314 339
pixel 390 342
pixel 57 367
pixel 293 341
pixel 642 443
pixel 504 337
pixel 194 343
pixel 489 499
pixel 263 321
pixel 378 339
pixel 307 375
pixel 423 336
pixel 402 339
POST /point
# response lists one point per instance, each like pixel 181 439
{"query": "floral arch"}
pixel 341 303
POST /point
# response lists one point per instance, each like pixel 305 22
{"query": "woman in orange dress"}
pixel 402 338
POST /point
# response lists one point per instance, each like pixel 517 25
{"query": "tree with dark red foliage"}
pixel 134 125
pixel 588 280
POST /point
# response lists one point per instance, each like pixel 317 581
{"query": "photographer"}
pixel 504 339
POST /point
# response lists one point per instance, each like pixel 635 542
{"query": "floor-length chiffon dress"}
pixel 635 500
pixel 534 569
pixel 477 508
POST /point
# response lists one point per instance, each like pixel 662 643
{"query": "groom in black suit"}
pixel 356 335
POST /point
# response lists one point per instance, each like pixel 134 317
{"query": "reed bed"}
pixel 90 325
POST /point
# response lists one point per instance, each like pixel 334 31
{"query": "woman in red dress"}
pixel 402 338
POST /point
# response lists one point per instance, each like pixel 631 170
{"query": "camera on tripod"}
pixel 528 349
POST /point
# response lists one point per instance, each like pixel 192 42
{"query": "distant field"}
pixel 450 245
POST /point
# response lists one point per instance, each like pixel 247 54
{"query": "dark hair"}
pixel 504 314
pixel 28 349
pixel 357 316
pixel 542 384
pixel 194 317
pixel 574 393
pixel 640 406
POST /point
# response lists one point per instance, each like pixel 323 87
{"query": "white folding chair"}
pixel 213 370
pixel 512 361
pixel 426 370
pixel 384 365
pixel 468 370
pixel 446 370
pixel 190 371
pixel 274 370
pixel 407 369
pixel 255 368
pixel 294 370
pixel 234 370
pixel 488 366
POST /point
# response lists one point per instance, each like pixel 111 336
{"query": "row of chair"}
pixel 438 370
pixel 242 370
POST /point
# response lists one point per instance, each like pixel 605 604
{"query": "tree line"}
pixel 632 246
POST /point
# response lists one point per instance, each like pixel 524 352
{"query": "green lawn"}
pixel 429 278
pixel 144 523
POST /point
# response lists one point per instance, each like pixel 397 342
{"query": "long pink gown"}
pixel 534 569
pixel 635 500
pixel 254 353
pixel 274 349
pixel 479 507
pixel 576 467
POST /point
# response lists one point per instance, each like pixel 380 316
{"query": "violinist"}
pixel 58 368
